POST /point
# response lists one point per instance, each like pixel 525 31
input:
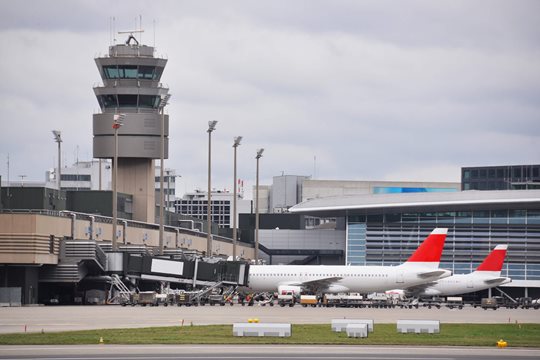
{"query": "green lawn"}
pixel 384 334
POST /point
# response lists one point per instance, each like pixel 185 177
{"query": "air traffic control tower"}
pixel 131 86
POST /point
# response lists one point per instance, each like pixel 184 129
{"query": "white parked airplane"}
pixel 422 267
pixel 486 276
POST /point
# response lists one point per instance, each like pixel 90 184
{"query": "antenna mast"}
pixel 114 29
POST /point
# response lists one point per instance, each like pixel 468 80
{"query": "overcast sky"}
pixel 373 90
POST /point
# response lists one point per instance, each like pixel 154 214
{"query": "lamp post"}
pixel 162 104
pixel 237 141
pixel 58 139
pixel 118 121
pixel 211 127
pixel 259 155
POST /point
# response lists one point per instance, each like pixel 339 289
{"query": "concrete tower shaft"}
pixel 131 85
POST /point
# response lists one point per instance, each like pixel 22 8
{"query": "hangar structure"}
pixel 381 228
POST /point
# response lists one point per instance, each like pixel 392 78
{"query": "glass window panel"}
pixel 146 72
pixel 147 101
pixel 157 73
pixel 111 72
pixel 127 100
pixel 127 71
pixel 108 101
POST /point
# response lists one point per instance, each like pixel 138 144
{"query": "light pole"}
pixel 211 127
pixel 58 139
pixel 235 145
pixel 259 155
pixel 162 104
pixel 117 123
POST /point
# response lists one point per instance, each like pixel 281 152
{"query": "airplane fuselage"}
pixel 339 278
pixel 464 283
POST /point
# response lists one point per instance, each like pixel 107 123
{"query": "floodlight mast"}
pixel 164 101
pixel 118 121
pixel 237 141
pixel 211 127
pixel 58 139
pixel 259 155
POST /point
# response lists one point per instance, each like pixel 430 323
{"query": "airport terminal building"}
pixel 382 229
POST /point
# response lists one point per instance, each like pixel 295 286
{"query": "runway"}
pixel 259 352
pixel 66 318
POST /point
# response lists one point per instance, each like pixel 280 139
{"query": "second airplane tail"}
pixel 494 261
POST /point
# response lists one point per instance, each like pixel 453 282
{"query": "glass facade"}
pixel 389 239
pixel 132 72
pixel 516 177
pixel 136 101
pixel 221 210
pixel 399 189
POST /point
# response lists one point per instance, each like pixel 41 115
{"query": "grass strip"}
pixel 517 335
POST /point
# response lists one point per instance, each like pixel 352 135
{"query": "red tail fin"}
pixel 431 249
pixel 494 261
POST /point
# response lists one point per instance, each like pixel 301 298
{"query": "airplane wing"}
pixel 316 285
pixel 418 289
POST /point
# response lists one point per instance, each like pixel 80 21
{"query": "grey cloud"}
pixel 373 90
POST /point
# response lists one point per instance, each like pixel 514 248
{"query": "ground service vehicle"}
pixel 489 303
pixel 308 300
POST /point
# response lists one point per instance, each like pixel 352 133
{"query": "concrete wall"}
pixel 24 238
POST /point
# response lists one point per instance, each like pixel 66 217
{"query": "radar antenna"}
pixel 131 37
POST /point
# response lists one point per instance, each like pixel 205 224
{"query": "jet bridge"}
pixel 194 272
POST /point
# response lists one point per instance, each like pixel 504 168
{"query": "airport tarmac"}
pixel 260 352
pixel 65 318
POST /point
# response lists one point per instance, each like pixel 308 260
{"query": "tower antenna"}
pixel 140 27
pixel 154 24
pixel 114 29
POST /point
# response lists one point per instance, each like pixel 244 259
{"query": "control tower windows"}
pixel 111 72
pixel 107 101
pixel 128 71
pixel 141 101
pixel 127 100
pixel 132 72
pixel 146 72
pixel 149 101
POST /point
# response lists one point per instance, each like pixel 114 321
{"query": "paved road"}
pixel 260 352
pixel 63 318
